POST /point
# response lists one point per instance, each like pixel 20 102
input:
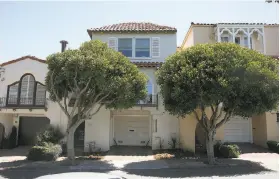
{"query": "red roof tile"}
pixel 133 27
pixel 148 64
pixel 23 58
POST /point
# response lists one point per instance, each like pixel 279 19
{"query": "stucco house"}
pixel 261 37
pixel 25 103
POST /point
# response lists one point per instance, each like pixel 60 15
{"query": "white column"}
pixel 263 41
pixel 249 38
pixel 219 34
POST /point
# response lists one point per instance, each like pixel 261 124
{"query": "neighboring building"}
pixel 263 38
pixel 25 103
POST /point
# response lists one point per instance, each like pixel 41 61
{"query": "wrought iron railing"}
pixel 22 102
pixel 150 101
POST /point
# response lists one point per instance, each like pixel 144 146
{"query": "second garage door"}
pixel 238 129
pixel 131 130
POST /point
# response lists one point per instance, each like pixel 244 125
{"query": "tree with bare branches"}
pixel 224 78
pixel 84 80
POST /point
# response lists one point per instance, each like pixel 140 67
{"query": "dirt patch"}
pixel 173 154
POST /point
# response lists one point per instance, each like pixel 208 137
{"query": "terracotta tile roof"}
pixel 192 23
pixel 133 27
pixel 23 58
pixel 148 64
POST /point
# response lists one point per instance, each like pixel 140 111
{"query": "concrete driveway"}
pixel 16 154
pixel 129 153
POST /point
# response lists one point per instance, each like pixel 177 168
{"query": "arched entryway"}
pixel 79 139
pixel 2 134
pixel 200 139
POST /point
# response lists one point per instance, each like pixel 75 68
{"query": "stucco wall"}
pixel 272 126
pixel 98 130
pixel 189 41
pixel 272 40
pixel 7 121
pixel 187 132
pixel 203 34
pixel 168 42
pixel 259 130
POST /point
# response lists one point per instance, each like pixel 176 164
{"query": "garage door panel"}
pixel 131 130
pixel 238 129
pixel 29 127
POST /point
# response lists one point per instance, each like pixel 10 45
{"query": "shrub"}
pixel 217 147
pixel 46 152
pixel 273 146
pixel 9 142
pixel 173 143
pixel 226 150
pixel 50 135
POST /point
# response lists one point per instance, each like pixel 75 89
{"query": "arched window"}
pixel 27 89
pixel 26 92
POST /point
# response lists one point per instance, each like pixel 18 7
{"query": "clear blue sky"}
pixel 35 28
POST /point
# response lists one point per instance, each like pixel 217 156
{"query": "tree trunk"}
pixel 210 147
pixel 70 145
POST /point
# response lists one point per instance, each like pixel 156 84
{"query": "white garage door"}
pixel 238 129
pixel 131 130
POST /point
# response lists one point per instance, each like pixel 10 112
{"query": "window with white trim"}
pixel 135 47
pixel 142 47
pixel 125 46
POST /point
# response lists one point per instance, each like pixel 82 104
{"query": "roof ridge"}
pixel 133 27
pixel 23 58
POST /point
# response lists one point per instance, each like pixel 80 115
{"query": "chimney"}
pixel 63 45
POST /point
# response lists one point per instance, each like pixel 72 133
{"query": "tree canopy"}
pixel 104 73
pixel 245 81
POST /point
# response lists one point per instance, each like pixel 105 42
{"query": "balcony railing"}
pixel 15 102
pixel 149 101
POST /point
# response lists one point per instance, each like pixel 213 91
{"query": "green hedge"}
pixel 226 150
pixel 273 146
pixel 50 135
pixel 46 152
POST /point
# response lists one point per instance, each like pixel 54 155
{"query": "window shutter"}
pixel 155 47
pixel 113 43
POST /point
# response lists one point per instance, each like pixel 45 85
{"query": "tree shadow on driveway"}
pixel 28 170
pixel 227 168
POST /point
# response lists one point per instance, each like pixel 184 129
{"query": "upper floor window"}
pixel 224 39
pixel 142 47
pixel 139 47
pixel 135 47
pixel 27 91
pixel 125 46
